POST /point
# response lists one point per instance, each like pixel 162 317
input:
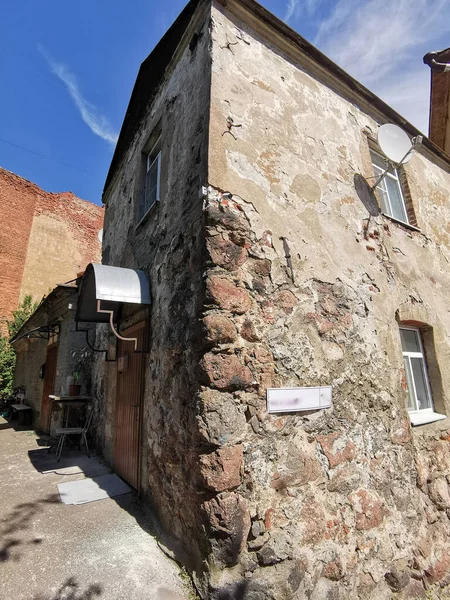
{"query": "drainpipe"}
pixel 430 60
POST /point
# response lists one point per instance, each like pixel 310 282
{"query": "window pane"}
pixel 378 161
pixel 151 184
pixel 382 194
pixel 410 340
pixel 396 199
pixel 411 398
pixel 418 371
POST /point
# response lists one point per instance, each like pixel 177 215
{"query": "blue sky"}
pixel 67 70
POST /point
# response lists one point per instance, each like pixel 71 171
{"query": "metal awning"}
pixel 39 333
pixel 104 289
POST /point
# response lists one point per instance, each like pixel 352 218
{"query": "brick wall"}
pixel 17 203
pixel 45 239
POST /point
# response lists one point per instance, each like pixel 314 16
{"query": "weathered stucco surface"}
pixel 280 278
pixel 348 502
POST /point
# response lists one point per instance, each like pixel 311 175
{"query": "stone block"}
pixel 313 521
pixel 369 508
pixel 219 329
pixel 333 570
pixel 227 295
pixel 438 492
pixel 226 372
pixel 337 448
pixel 398 577
pixel 439 568
pixel 248 331
pixel 229 523
pixel 225 253
pixel 222 421
pixel 223 469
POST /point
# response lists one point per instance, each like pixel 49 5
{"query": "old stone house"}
pixel 236 187
pixel 45 239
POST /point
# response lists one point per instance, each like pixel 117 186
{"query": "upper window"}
pixel 420 403
pixel 152 181
pixel 389 189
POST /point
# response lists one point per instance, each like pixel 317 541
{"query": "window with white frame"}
pixel 389 189
pixel 420 402
pixel 152 183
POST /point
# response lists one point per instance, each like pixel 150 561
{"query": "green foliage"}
pixel 24 312
pixel 7 362
pixel 7 354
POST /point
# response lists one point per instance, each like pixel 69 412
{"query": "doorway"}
pixel 49 387
pixel 128 410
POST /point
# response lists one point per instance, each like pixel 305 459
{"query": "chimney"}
pixel 439 128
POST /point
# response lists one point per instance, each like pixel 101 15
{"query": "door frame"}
pixel 47 428
pixel 128 333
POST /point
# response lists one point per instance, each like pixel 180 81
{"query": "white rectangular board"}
pixel 298 399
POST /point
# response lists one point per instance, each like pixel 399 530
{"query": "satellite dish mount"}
pixel 396 146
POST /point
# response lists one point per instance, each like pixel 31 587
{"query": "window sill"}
pixel 408 225
pixel 426 417
pixel 146 215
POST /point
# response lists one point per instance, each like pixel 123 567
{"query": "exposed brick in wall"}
pixel 17 204
pixel 45 239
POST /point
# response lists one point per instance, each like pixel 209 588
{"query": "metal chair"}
pixel 64 431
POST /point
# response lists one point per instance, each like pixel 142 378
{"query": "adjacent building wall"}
pixel 58 308
pixel 305 288
pixel 169 246
pixel 17 202
pixel 45 239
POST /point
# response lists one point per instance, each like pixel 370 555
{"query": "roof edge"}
pixel 344 82
pixel 154 67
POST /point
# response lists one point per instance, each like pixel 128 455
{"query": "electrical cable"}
pixel 47 157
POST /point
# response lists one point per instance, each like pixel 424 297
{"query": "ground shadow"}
pixel 12 424
pixel 13 542
pixel 71 590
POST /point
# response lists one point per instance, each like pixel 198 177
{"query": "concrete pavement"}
pixel 51 551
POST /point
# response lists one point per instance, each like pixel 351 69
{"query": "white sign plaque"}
pixel 298 399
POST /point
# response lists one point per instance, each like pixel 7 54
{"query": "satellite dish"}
pixel 395 143
pixel 100 236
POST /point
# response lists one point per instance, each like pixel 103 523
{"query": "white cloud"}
pixel 291 9
pixel 381 44
pixel 89 113
pixel 296 8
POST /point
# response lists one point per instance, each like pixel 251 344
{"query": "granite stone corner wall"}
pixel 304 288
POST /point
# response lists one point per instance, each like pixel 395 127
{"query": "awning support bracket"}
pixel 113 329
pixel 86 333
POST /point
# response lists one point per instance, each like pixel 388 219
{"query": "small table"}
pixel 70 401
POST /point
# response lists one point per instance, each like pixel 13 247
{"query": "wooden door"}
pixel 128 411
pixel 49 387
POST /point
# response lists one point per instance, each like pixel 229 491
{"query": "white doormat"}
pixel 90 490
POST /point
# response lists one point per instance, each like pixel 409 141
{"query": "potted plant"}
pixel 80 356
